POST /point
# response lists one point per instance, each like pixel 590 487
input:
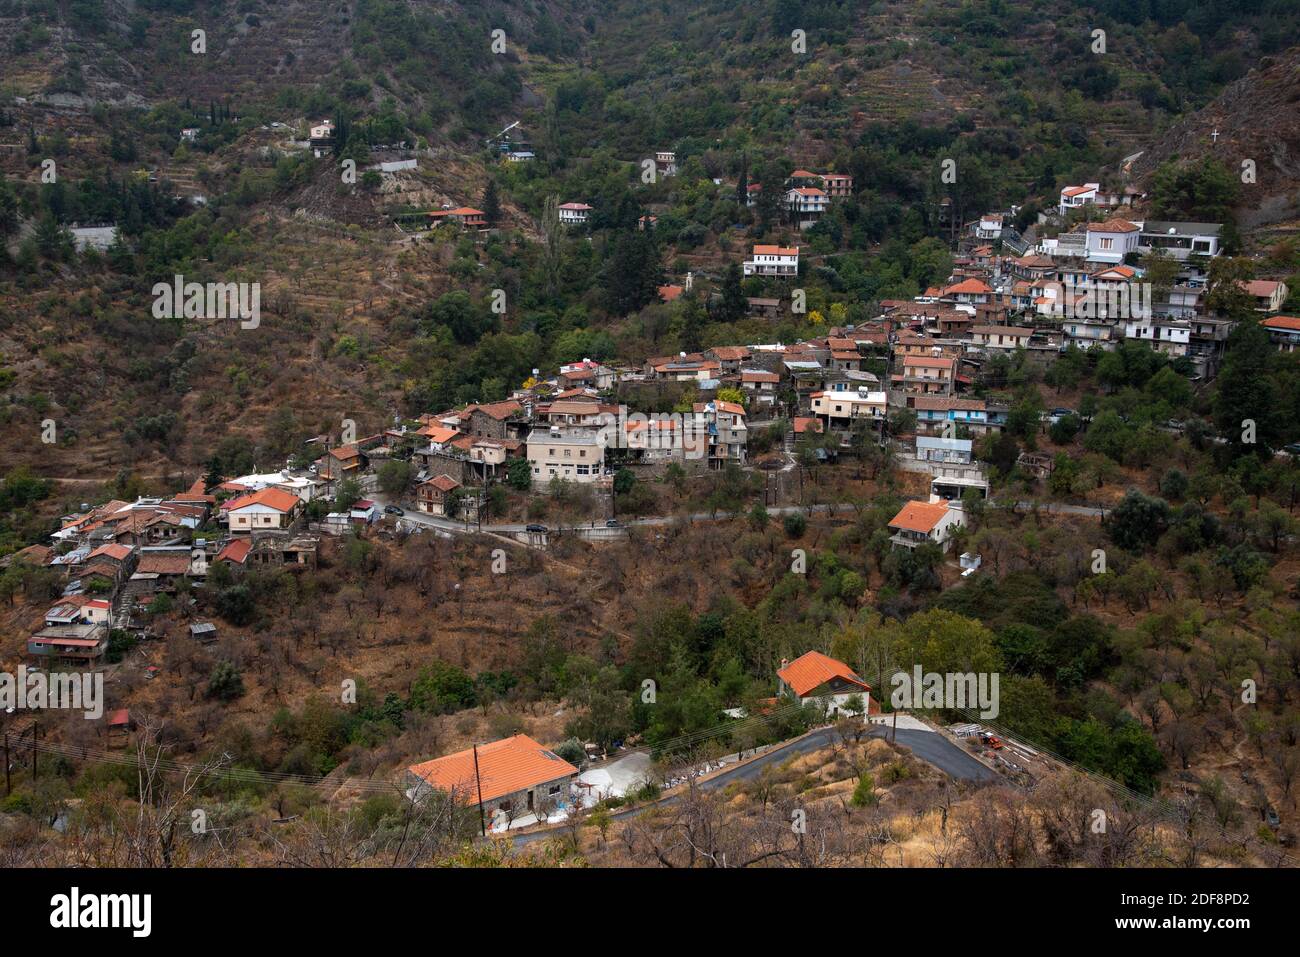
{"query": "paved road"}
pixel 438 523
pixel 933 748
pixel 1060 508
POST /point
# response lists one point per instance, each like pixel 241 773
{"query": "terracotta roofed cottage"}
pixel 513 777
pixel 919 522
pixel 268 508
pixel 817 677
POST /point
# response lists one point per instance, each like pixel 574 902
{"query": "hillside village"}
pixel 574 490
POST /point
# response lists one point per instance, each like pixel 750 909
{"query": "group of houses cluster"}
pixel 567 429
pixel 115 559
pixel 807 196
pixel 1083 287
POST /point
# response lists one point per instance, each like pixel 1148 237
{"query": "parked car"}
pixel 613 523
pixel 536 528
pixel 393 510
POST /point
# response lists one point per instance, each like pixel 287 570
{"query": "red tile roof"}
pixel 968 286
pixel 504 767
pixel 730 352
pixel 235 551
pixel 920 516
pixel 163 564
pixel 1112 226
pixel 443 483
pixel 498 410
pixel 271 497
pixel 813 669
pixel 116 552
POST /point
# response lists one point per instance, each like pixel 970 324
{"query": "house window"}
pixel 1107 243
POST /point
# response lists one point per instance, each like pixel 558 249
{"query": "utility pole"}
pixel 478 782
pixel 8 783
pixel 36 730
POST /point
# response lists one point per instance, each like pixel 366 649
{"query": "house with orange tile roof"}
pixel 730 358
pixel 267 508
pixel 969 291
pixel 1075 196
pixel 235 551
pixel 506 419
pixel 341 462
pixel 819 678
pixel 574 214
pixel 927 375
pixel 1284 332
pixel 769 260
pixel 806 205
pixel 465 216
pixel 920 522
pixel 431 496
pixel 760 385
pixel 837 185
pixel 509 779
pixel 1268 294
pixel 1111 241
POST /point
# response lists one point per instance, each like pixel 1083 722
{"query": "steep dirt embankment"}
pixel 1256 118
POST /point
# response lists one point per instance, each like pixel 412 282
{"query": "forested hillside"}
pixel 166 141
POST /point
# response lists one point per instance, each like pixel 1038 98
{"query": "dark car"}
pixel 393 510
pixel 536 528
pixel 613 523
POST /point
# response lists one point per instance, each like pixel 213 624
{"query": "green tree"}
pixel 225 683
pixel 1246 395
pixel 491 203
pixel 395 477
pixel 519 475
pixel 1137 521
pixel 347 494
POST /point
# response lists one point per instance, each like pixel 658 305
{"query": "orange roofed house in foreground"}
pixel 919 522
pixel 516 776
pixel 817 677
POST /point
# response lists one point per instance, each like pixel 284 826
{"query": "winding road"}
pixel 928 746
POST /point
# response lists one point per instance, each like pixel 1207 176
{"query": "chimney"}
pixel 784 662
pixel 690 280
